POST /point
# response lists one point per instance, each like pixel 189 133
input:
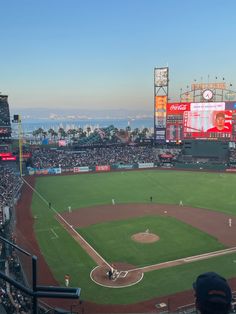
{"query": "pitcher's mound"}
pixel 145 237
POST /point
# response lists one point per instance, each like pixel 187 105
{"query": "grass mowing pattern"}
pixel 207 190
pixel 177 239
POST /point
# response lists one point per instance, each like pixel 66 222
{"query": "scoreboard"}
pixel 209 120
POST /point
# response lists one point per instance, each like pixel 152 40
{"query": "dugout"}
pixel 198 150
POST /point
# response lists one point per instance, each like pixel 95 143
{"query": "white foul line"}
pixel 66 223
pixel 56 236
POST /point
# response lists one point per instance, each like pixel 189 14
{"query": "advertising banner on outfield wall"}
pixel 67 170
pixel 146 165
pixel 41 171
pixel 125 166
pixel 33 171
pixel 103 168
pixel 81 169
pixel 30 171
pixel 54 171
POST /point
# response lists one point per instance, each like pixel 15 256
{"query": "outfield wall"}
pixel 123 167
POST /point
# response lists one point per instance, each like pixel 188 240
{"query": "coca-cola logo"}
pixel 178 107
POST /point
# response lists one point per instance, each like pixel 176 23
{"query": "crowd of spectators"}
pixel 10 184
pixel 232 157
pixel 46 158
pixel 12 300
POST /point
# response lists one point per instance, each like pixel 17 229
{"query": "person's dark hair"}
pixel 213 294
pixel 213 308
pixel 220 114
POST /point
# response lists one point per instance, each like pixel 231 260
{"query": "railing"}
pixel 35 292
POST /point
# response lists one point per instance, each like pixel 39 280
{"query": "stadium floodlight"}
pixel 17 119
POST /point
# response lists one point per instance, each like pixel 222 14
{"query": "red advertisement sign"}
pixel 5 154
pixel 26 155
pixel 10 158
pixel 230 170
pixel 103 168
pixel 178 107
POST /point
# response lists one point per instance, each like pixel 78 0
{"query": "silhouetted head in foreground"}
pixel 213 294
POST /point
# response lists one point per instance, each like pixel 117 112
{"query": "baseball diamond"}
pixel 210 227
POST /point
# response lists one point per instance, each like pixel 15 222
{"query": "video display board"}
pixel 212 120
pixel 161 77
pixel 160 111
pixel 160 118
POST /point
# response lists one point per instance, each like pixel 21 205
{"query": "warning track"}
pixel 211 222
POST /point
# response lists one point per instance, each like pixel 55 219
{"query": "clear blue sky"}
pixel 101 53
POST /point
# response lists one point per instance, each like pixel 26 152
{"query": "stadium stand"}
pixel 99 136
pixel 5 125
pixel 45 158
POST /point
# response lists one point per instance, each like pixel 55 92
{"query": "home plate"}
pixel 123 274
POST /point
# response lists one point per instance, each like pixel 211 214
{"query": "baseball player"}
pixel 67 280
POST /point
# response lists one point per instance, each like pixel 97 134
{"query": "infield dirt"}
pixel 213 223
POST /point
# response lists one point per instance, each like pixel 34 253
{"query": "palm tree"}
pixel 35 133
pixel 72 132
pixel 128 128
pixel 135 132
pixel 62 133
pixel 44 133
pixel 88 130
pixel 51 131
pixel 39 132
pixel 54 134
pixel 145 131
pixel 83 134
pixel 80 132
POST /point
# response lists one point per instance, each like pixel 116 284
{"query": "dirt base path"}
pixel 214 223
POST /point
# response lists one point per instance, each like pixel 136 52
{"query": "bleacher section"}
pixel 5 124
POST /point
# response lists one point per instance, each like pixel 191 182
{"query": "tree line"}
pixel 79 133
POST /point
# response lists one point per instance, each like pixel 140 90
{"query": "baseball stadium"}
pixel 119 221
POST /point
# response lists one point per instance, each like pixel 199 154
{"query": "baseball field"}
pixel 84 204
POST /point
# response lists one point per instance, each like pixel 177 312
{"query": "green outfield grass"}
pixel 207 190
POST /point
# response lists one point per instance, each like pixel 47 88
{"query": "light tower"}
pixel 17 119
pixel 161 86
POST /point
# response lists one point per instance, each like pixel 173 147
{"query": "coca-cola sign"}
pixel 177 107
